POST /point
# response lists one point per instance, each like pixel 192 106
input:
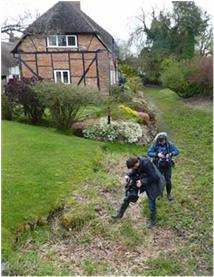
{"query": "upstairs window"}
pixel 62 41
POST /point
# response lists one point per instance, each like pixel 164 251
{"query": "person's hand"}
pixel 168 156
pixel 161 155
pixel 127 178
pixel 138 184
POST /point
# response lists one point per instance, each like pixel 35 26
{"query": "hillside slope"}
pixel 81 238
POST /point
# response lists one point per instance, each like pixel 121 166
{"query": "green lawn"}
pixel 40 167
pixel 191 214
pixel 43 169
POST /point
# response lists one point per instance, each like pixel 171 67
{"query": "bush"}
pixel 174 76
pixel 64 101
pixel 120 93
pixel 6 109
pixel 134 84
pixel 201 74
pixel 142 106
pixel 132 113
pixel 23 100
pixel 121 131
pixel 128 70
pixel 188 78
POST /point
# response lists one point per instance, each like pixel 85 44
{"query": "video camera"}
pixel 131 191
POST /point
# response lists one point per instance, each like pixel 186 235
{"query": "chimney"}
pixel 76 4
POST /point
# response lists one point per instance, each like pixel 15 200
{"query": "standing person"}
pixel 162 151
pixel 143 177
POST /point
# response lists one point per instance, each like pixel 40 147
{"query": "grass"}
pixel 40 167
pixel 191 213
pixel 43 170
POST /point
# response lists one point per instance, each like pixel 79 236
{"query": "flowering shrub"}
pixel 121 131
pixel 129 110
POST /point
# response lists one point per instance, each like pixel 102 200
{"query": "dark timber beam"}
pixel 92 37
pixel 97 68
pixel 31 70
pixel 64 52
pixel 83 65
pixel 86 71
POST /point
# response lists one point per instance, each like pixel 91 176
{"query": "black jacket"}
pixel 150 176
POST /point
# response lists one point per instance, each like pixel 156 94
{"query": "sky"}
pixel 118 17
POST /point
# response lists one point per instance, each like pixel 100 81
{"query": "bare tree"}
pixel 205 42
pixel 22 22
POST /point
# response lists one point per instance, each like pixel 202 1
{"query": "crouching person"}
pixel 143 177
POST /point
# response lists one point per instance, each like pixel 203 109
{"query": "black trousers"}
pixel 168 174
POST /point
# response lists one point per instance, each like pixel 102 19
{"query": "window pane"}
pixel 71 40
pixel 65 77
pixel 61 40
pixel 52 40
pixel 112 77
pixel 58 77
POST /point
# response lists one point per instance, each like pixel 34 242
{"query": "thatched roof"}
pixel 7 59
pixel 65 17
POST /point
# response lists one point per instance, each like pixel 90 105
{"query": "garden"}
pixel 123 117
pixel 59 192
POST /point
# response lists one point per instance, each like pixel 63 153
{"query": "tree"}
pixel 189 23
pixel 124 49
pixel 19 25
pixel 205 42
pixel 172 34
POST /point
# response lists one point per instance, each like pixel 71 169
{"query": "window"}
pixel 62 41
pixel 113 77
pixel 62 76
pixel 71 40
pixel 52 41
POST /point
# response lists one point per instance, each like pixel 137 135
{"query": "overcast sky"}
pixel 116 16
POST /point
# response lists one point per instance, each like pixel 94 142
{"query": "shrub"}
pixel 121 131
pixel 120 93
pixel 134 83
pixel 128 70
pixel 143 106
pixel 201 74
pixel 188 78
pixel 64 101
pixel 6 109
pixel 172 76
pixel 129 111
pixel 22 99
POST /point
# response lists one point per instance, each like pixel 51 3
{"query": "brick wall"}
pixel 47 62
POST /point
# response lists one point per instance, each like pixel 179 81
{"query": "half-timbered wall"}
pixel 89 64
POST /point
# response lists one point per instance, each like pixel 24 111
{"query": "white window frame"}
pixel 62 79
pixel 113 77
pixel 57 42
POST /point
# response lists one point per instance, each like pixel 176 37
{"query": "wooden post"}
pixel 109 115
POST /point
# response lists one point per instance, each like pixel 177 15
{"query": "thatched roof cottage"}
pixel 66 45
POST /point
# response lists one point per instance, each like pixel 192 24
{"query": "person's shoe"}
pixel 150 224
pixel 121 211
pixel 151 221
pixel 170 197
pixel 116 215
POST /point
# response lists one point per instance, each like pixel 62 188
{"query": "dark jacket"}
pixel 150 176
